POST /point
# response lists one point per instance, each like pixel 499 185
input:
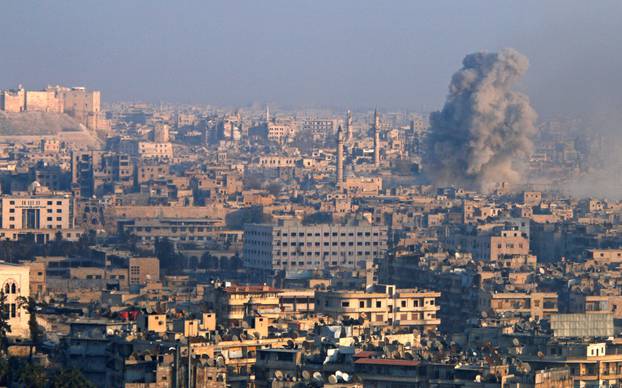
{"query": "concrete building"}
pixel 279 132
pixel 536 305
pixel 382 305
pixel 292 246
pixel 143 270
pixel 38 212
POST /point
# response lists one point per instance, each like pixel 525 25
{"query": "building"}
pixel 291 246
pixel 382 305
pixel 15 283
pixel 143 270
pixel 535 305
pixel 81 104
pixel 234 304
pixel 152 150
pixel 279 132
pixel 39 213
pixel 200 231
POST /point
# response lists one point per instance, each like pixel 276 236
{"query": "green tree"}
pixel 165 252
pixel 31 305
pixel 5 328
pixel 4 370
pixel 70 378
pixel 31 375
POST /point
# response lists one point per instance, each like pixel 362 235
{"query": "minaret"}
pixel 376 139
pixel 339 159
pixel 349 129
pixel 268 114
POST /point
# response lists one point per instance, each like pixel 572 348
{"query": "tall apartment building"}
pixel 38 212
pixel 292 246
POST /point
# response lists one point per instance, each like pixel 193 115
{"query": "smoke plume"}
pixel 485 127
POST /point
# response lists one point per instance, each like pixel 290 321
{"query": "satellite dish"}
pixel 220 361
pixel 484 314
pixel 332 379
pixel 318 376
pixel 290 344
pixel 211 362
pixel 516 342
pixel 278 375
pixel 525 367
pixel 306 375
pixel 235 338
pixel 540 355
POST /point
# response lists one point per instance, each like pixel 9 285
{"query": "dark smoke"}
pixel 485 127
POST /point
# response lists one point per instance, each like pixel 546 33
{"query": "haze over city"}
pixel 349 54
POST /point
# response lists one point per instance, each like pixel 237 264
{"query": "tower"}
pixel 349 129
pixel 339 159
pixel 376 130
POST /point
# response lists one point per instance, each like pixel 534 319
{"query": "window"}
pixel 378 304
pixel 345 304
pixel 361 304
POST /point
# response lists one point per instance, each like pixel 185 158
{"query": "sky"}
pixel 397 54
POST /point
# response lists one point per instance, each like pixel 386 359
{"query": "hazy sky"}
pixel 360 54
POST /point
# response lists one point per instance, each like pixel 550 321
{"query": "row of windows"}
pixel 12 210
pixel 10 310
pixel 310 263
pixel 327 234
pixel 326 244
pixel 48 202
pixel 317 253
pixel 48 227
pixel 368 303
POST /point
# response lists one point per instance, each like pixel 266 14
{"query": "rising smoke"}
pixel 485 128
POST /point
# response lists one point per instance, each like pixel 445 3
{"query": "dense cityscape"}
pixel 157 245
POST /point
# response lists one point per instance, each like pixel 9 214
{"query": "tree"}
pixel 5 328
pixel 31 305
pixel 31 375
pixel 70 378
pixel 165 252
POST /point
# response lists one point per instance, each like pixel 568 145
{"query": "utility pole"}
pixel 189 365
pixel 176 385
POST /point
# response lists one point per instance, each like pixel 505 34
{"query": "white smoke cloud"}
pixel 485 128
